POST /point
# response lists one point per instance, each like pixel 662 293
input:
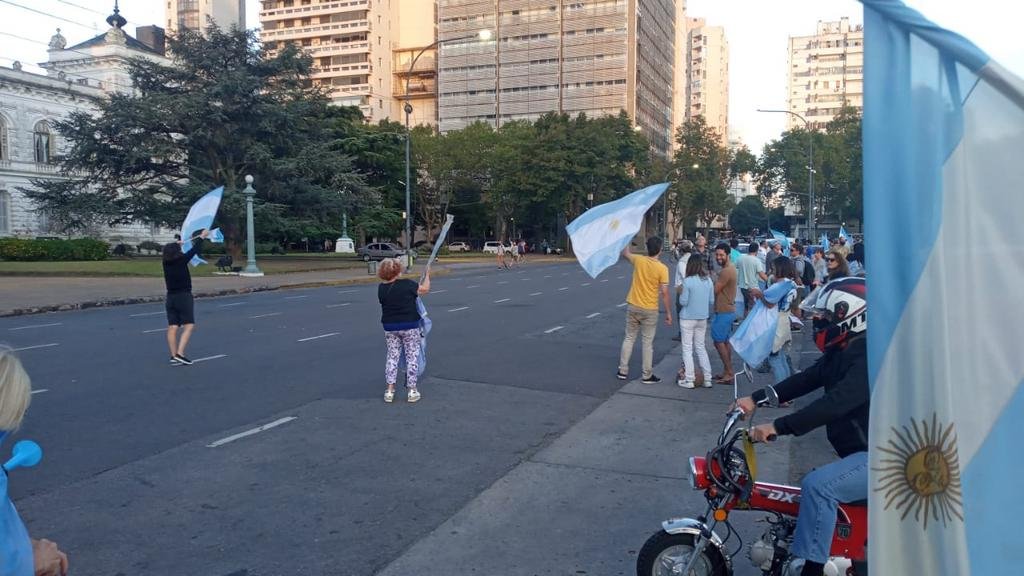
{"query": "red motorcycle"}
pixel 691 547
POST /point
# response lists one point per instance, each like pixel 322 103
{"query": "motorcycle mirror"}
pixel 25 454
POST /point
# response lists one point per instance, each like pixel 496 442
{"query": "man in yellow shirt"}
pixel 650 277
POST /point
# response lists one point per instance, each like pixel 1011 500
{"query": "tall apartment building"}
pixel 195 14
pixel 679 71
pixel 414 39
pixel 598 57
pixel 350 42
pixel 826 71
pixel 707 73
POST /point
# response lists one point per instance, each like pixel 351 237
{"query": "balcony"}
pixel 417 89
pixel 360 68
pixel 274 14
pixel 294 33
pixel 426 63
pixel 348 88
pixel 338 49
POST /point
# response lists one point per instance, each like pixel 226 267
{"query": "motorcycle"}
pixel 727 475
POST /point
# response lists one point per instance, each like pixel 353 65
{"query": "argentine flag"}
pixel 200 217
pixel 943 139
pixel 599 234
pixel 843 234
pixel 781 238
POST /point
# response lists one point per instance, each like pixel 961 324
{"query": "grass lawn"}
pixel 150 266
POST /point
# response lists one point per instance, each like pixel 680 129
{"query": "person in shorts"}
pixel 179 304
pixel 725 312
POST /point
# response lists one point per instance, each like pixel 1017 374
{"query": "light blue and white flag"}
pixel 781 239
pixel 201 216
pixel 943 138
pixel 599 234
pixel 843 234
pixel 824 243
pixel 753 340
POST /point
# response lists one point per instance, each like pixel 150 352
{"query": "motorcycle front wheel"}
pixel 667 554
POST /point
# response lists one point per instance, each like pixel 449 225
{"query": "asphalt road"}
pixel 144 472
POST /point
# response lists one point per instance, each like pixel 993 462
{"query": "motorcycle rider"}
pixel 840 329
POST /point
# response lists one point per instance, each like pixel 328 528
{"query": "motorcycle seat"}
pixel 862 503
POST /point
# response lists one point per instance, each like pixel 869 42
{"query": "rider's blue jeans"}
pixel 821 492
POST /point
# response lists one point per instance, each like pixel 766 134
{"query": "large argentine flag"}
pixel 201 216
pixel 943 141
pixel 600 234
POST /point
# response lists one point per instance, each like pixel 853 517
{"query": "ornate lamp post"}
pixel 250 234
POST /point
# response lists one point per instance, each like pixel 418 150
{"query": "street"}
pixel 275 454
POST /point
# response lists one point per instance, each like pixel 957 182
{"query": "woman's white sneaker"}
pixel 414 395
pixel 389 395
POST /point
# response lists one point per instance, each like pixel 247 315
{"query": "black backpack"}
pixel 808 276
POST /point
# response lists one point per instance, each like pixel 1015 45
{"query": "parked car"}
pixel 459 247
pixel 492 247
pixel 380 251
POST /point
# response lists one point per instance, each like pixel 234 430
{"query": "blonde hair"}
pixel 15 391
pixel 389 269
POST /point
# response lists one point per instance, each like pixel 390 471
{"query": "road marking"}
pixel 41 390
pixel 232 304
pixel 35 326
pixel 555 329
pixel 585 284
pixel 563 288
pixel 503 282
pixel 339 305
pixel 204 359
pixel 810 352
pixel 265 315
pixel 605 280
pixel 594 315
pixel 458 309
pixel 525 279
pixel 620 277
pixel 502 300
pixel 536 294
pixel 34 347
pixel 473 286
pixel 565 273
pixel 438 291
pixel 317 337
pixel 548 276
pixel 296 297
pixel 154 330
pixel 147 314
pixel 621 305
pixel 256 430
pixel 346 291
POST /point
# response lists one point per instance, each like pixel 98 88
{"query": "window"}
pixel 43 143
pixel 5 208
pixel 3 140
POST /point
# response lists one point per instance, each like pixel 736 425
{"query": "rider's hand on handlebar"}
pixel 764 433
pixel 746 404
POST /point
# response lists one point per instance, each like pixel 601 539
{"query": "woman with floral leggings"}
pixel 401 320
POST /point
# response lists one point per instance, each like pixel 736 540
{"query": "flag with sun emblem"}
pixel 943 135
pixel 600 234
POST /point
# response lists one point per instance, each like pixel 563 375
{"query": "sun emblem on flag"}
pixel 921 472
pixel 613 225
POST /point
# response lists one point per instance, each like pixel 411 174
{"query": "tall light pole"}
pixel 250 234
pixel 810 170
pixel 483 35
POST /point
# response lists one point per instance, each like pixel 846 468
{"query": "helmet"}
pixel 840 311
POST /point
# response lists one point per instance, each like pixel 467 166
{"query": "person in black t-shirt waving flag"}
pixel 179 295
pixel 401 320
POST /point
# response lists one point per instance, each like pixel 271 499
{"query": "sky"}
pixel 757 31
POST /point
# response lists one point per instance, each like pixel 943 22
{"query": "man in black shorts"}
pixel 179 295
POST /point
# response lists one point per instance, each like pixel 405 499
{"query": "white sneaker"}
pixel 685 384
pixel 414 395
pixel 707 382
pixel 389 395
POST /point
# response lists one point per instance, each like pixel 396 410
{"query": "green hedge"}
pixel 24 250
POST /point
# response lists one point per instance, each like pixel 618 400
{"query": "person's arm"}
pixel 627 254
pixel 424 286
pixel 684 294
pixel 852 391
pixel 668 303
pixel 197 245
pixel 47 559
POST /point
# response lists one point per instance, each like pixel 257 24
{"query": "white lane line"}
pixel 502 300
pixel 525 279
pixel 34 347
pixel 594 315
pixel 339 305
pixel 346 291
pixel 536 294
pixel 621 305
pixel 154 330
pixel 232 304
pixel 503 282
pixel 438 291
pixel 585 284
pixel 548 276
pixel 266 315
pixel 296 297
pixel 563 288
pixel 565 273
pixel 41 390
pixel 473 286
pixel 318 337
pixel 147 314
pixel 620 277
pixel 35 326
pixel 458 309
pixel 605 280
pixel 555 329
pixel 257 430
pixel 205 358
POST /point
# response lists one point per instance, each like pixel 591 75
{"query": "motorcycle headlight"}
pixel 698 473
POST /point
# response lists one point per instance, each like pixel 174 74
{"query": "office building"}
pixel 597 57
pixel 197 14
pixel 707 73
pixel 826 72
pixel 416 31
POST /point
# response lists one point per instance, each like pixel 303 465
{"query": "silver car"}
pixel 380 251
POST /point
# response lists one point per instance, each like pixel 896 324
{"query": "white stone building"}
pixel 77 78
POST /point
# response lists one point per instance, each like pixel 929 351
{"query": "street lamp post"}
pixel 250 234
pixel 483 35
pixel 810 169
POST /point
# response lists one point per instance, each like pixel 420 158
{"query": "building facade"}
pixel 414 41
pixel 597 57
pixel 197 14
pixel 350 42
pixel 77 78
pixel 826 72
pixel 707 74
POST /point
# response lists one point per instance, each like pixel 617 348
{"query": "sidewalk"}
pixel 37 294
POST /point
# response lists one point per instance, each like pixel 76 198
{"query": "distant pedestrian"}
pixel 521 250
pixel 804 272
pixel 179 304
pixel 820 268
pixel 774 251
pixel 750 273
pixel 835 263
pixel 841 247
pixel 401 320
pixel 697 300
pixel 856 260
pixel 701 251
pixel 725 311
pixel 762 253
pixel 734 252
pixel 502 265
pixel 650 278
pixel 685 250
pixel 779 357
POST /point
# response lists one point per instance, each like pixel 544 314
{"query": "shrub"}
pixel 26 250
pixel 267 247
pixel 123 250
pixel 150 246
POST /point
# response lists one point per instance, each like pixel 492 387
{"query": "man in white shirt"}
pixel 749 270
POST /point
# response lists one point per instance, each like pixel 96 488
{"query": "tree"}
pixel 702 172
pixel 749 214
pixel 224 109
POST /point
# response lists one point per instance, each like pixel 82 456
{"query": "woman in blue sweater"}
pixel 697 300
